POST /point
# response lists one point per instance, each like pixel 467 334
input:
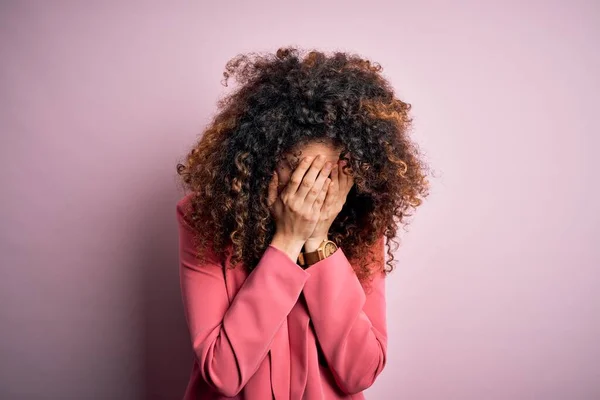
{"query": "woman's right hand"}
pixel 297 209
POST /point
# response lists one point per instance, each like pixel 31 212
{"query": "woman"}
pixel 282 251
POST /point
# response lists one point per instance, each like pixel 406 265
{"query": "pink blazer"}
pixel 281 332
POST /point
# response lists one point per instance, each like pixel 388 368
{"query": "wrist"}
pixel 291 246
pixel 312 244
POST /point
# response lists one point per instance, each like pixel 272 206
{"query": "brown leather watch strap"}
pixel 312 257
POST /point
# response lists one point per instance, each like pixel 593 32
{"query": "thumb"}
pixel 273 189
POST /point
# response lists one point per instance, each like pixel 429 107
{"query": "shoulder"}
pixel 184 202
pixel 183 208
pixel 188 232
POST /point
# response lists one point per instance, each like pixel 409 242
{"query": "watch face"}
pixel 329 249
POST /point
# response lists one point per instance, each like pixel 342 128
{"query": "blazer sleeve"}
pixel 231 340
pixel 350 325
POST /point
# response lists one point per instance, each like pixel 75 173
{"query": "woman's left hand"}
pixel 340 186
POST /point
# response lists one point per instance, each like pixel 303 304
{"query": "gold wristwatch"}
pixel 326 248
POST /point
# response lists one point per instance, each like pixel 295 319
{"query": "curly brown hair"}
pixel 285 100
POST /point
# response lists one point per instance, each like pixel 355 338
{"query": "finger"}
pixel 344 178
pixel 334 178
pixel 335 174
pixel 331 197
pixel 318 167
pixel 297 176
pixel 342 174
pixel 317 205
pixel 272 196
pixel 318 184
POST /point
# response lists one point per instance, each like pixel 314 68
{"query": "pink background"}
pixel 496 292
